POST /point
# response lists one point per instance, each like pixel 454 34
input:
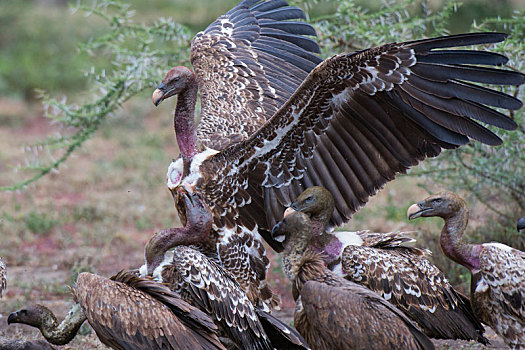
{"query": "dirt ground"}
pixel 97 212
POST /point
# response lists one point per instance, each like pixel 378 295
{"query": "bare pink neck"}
pixel 452 243
pixel 184 119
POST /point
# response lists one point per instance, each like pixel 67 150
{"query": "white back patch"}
pixel 348 238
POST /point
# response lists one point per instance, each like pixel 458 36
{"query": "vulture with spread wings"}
pixel 275 119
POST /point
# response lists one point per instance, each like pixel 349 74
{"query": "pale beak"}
pixel 157 97
pixel 288 211
pixel 413 211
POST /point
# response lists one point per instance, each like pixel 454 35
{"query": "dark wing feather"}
pixel 409 281
pixel 249 62
pixel 125 316
pixel 213 290
pixel 281 335
pixel 380 111
pixel 352 317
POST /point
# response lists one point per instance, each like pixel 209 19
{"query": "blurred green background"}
pixel 39 37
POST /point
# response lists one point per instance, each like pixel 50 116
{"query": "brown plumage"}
pixel 200 280
pixel 3 277
pixel 205 284
pixel 334 313
pixel 274 125
pixel 402 275
pixel 126 312
pixel 498 271
pixel 247 64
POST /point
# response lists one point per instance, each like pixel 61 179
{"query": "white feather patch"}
pixel 348 238
pixel 174 173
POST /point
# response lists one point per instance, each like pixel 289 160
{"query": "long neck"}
pixel 60 334
pixel 169 238
pixel 452 243
pixel 184 119
pixel 292 255
pixel 327 244
pixel 319 225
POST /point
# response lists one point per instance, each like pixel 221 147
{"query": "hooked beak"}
pixel 277 234
pixel 417 210
pixel 158 96
pixel 288 211
pixel 13 318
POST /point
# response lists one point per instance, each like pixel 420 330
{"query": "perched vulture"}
pixel 498 271
pixel 126 312
pixel 332 312
pixel 202 282
pixel 402 275
pixel 276 120
pixel 3 277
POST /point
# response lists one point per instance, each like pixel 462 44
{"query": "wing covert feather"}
pixel 377 110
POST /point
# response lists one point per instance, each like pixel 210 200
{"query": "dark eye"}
pixel 437 201
pixel 309 199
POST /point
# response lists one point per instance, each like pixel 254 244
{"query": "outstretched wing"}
pixel 133 313
pixel 358 120
pixel 212 289
pixel 249 62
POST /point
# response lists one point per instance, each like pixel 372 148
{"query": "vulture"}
pixel 126 312
pixel 332 312
pixel 402 275
pixel 3 277
pixel 498 271
pixel 276 119
pixel 202 282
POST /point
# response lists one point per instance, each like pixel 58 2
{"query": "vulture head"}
pixel 443 204
pixel 33 315
pixel 316 202
pixel 175 81
pixel 197 220
pixel 294 231
pixel 521 224
pixel 41 317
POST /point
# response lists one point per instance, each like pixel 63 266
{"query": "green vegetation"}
pixel 39 223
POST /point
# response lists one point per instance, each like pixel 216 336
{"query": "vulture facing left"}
pixel 276 120
pixel 382 263
pixel 498 271
pixel 126 312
